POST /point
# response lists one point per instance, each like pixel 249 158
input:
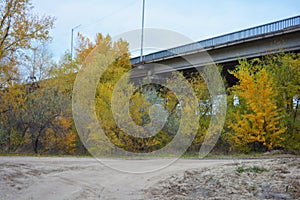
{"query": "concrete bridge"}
pixel 271 38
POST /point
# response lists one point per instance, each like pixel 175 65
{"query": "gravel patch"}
pixel 262 179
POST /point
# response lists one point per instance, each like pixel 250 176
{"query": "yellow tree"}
pixel 117 53
pixel 205 108
pixel 19 29
pixel 54 95
pixel 255 120
pixel 36 116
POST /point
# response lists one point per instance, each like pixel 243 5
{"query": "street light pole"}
pixel 72 39
pixel 142 37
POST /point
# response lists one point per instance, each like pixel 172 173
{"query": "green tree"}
pixel 285 71
pixel 12 118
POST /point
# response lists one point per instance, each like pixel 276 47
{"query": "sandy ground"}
pixel 86 178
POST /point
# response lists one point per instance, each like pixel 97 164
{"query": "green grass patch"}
pixel 255 169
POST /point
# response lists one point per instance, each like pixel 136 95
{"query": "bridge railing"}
pixel 223 39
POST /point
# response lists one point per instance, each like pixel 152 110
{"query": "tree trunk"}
pixel 36 143
pixel 9 141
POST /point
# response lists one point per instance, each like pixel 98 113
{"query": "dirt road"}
pixel 84 178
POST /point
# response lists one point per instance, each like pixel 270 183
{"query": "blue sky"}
pixel 196 19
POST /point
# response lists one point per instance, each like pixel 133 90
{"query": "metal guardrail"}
pixel 223 39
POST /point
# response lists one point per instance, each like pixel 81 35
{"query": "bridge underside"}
pixel 226 55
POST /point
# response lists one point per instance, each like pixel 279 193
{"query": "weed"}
pixel 255 169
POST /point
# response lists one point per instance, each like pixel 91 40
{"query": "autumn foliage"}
pixel 256 119
pixel 36 97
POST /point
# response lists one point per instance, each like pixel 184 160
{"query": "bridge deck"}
pixel 257 31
